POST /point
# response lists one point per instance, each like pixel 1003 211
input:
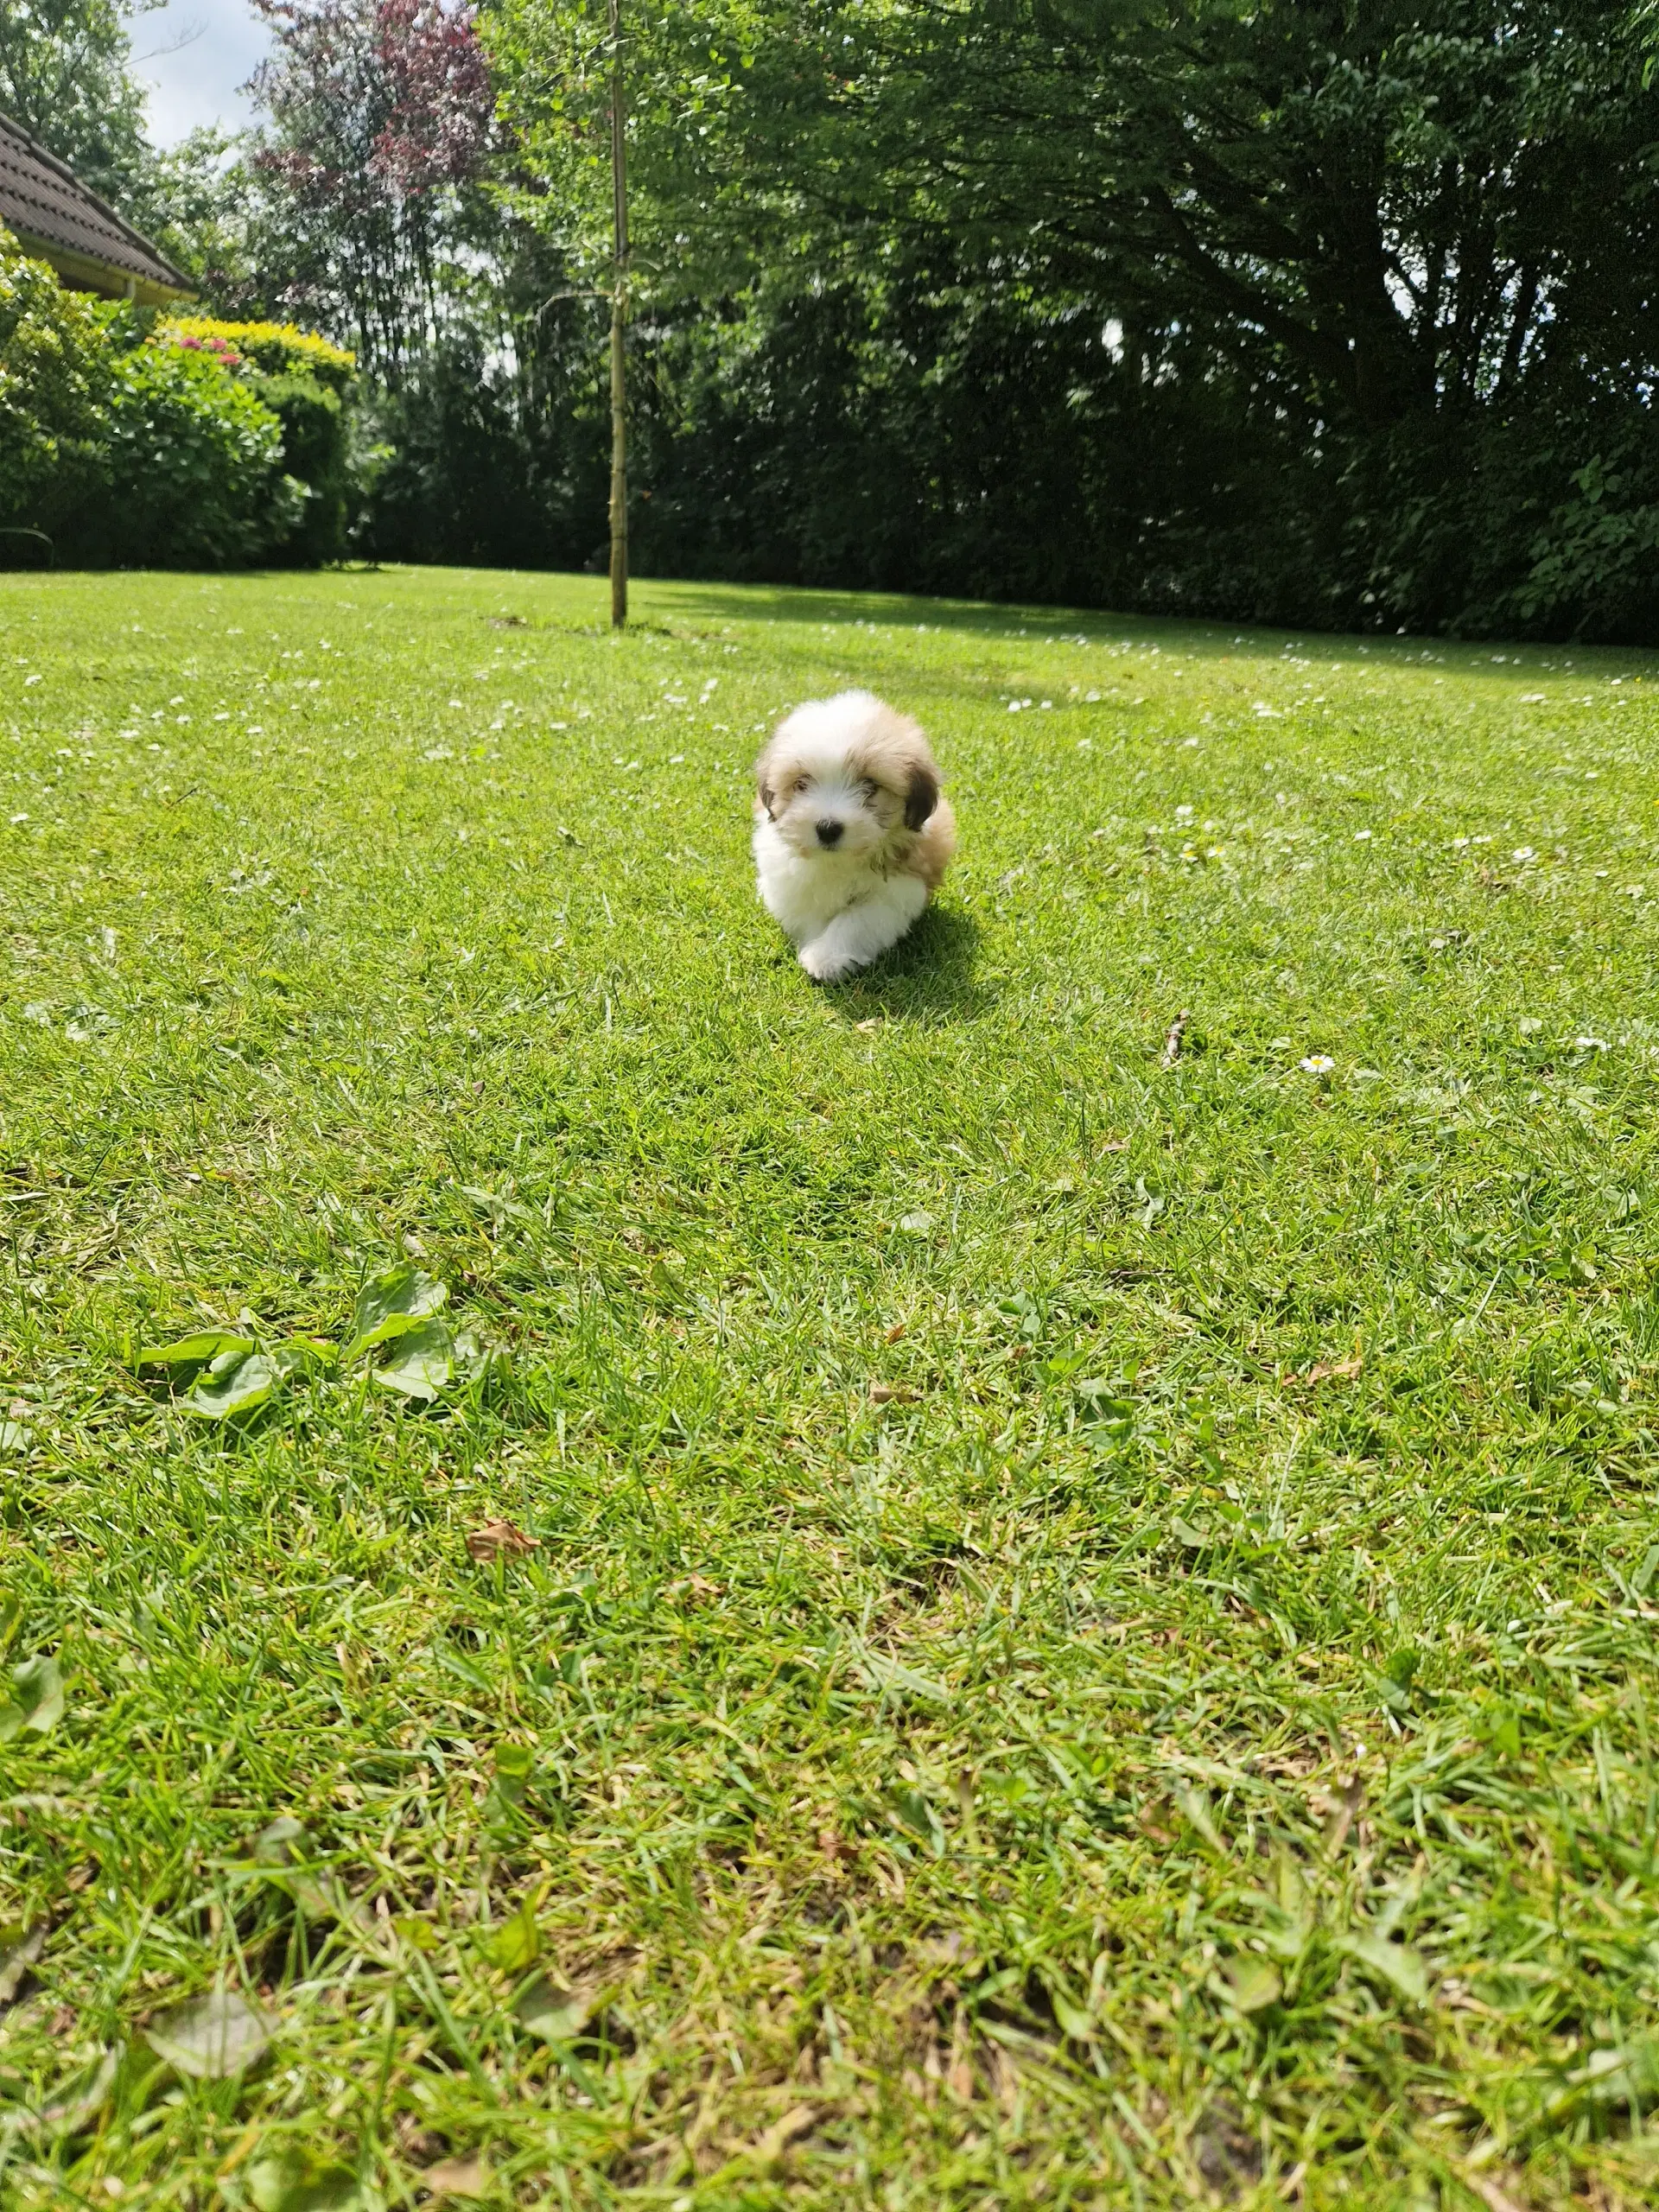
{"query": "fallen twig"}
pixel 1172 1050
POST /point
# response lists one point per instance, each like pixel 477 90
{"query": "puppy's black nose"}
pixel 829 832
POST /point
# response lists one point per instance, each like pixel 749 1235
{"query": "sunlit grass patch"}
pixel 698 1591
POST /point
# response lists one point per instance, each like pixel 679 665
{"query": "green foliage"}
pixel 470 458
pixel 1285 311
pixel 128 443
pixel 53 388
pixel 316 454
pixel 309 384
pixel 66 75
pixel 191 466
pixel 275 349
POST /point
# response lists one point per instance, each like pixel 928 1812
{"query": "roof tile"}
pixel 47 204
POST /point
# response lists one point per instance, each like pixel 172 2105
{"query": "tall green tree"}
pixel 66 74
pixel 1392 202
pixel 1395 255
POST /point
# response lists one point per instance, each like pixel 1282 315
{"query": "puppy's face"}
pixel 847 778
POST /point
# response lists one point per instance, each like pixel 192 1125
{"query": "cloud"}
pixel 194 56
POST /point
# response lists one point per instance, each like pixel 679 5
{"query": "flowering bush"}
pixel 128 443
pixel 196 461
pixel 307 383
pixel 274 348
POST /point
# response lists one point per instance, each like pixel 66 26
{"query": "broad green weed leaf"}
pixel 389 1303
pixel 1504 1731
pixel 194 1352
pixel 548 2009
pixel 298 1355
pixel 35 1699
pixel 452 1663
pixel 217 2035
pixel 1620 2075
pixel 236 1382
pixel 14 1436
pixel 1099 1391
pixel 913 1811
pixel 458 2177
pixel 1396 1964
pixel 1195 1803
pixel 515 1942
pixel 420 1360
pixel 281 1841
pixel 514 1764
pixel 473 1353
pixel 1253 1983
pixel 1074 2021
pixel 19 1948
pixel 293 2181
pixel 283 1846
pixel 82 2097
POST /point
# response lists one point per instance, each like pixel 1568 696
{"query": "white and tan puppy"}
pixel 851 830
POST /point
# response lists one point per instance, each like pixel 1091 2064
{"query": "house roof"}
pixel 58 218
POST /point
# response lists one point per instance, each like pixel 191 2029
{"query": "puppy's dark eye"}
pixel 870 787
pixel 801 783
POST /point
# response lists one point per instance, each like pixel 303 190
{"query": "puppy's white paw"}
pixel 825 964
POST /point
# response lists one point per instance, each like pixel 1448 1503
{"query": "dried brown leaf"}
pixel 457 2178
pixel 696 1590
pixel 1334 1370
pixel 499 1540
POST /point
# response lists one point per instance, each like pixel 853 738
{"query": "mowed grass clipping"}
pixel 981 1610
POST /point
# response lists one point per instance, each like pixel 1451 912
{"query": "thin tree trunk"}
pixel 619 323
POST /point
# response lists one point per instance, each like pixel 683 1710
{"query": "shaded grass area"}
pixel 1086 1635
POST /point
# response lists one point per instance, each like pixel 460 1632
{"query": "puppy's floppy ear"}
pixel 765 789
pixel 922 797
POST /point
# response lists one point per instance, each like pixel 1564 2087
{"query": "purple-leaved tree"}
pixel 380 112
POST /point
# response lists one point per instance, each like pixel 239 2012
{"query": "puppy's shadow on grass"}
pixel 927 977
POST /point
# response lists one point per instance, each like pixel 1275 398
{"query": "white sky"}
pixel 215 47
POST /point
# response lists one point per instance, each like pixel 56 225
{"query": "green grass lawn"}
pixel 1086 1632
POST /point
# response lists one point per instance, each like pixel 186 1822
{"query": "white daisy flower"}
pixel 1316 1064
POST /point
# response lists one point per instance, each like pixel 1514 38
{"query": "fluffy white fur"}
pixel 852 832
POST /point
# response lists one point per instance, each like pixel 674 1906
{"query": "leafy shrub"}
pixel 123 442
pixel 194 463
pixel 307 384
pixel 276 349
pixel 54 384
